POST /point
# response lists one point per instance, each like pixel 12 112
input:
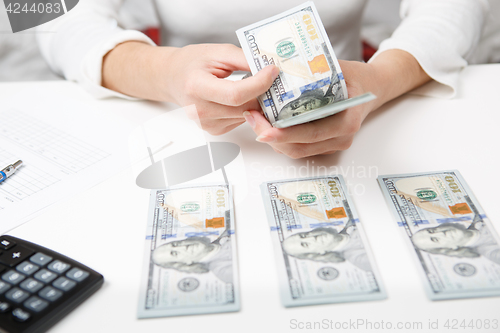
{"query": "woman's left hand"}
pixel 391 74
pixel 323 136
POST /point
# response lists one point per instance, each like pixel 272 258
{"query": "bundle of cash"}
pixel 454 243
pixel 190 253
pixel 321 249
pixel 310 85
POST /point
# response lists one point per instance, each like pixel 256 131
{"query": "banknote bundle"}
pixel 190 264
pixel 310 85
pixel 321 249
pixel 453 242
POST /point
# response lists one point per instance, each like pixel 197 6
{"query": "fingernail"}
pixel 265 138
pixel 249 118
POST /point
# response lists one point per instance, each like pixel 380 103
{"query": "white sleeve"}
pixel 441 35
pixel 75 43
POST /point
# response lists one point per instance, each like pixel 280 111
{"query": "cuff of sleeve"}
pixel 91 70
pixel 445 78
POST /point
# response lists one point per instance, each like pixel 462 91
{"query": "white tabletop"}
pixel 104 227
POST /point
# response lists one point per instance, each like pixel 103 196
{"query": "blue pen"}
pixel 9 170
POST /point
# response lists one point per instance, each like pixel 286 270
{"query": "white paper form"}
pixel 66 147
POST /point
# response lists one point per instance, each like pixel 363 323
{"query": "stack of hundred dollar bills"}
pixel 321 249
pixel 454 243
pixel 310 85
pixel 190 253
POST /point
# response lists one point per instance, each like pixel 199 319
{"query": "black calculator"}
pixel 38 286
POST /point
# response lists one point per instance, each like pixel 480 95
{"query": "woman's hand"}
pixel 190 75
pixel 197 79
pixel 391 74
pixel 323 136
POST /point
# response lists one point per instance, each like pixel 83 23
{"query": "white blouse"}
pixel 440 34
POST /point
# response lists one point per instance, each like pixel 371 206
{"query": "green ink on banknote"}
pixel 285 49
pixel 190 207
pixel 306 198
pixel 426 195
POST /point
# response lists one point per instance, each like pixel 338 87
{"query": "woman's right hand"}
pixel 190 75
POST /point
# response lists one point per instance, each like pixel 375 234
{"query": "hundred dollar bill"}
pixel 310 85
pixel 190 253
pixel 454 243
pixel 321 249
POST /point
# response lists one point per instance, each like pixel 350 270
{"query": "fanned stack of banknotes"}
pixel 321 249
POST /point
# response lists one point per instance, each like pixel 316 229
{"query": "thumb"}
pixel 258 122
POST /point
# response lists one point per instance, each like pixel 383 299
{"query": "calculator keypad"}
pixel 6 244
pixel 4 286
pixel 16 295
pixel 35 304
pixel 40 259
pixel 4 307
pixel 45 276
pixel 31 285
pixel 64 284
pixel 20 315
pixel 58 266
pixel 15 255
pixel 27 268
pixel 77 274
pixel 50 294
pixel 13 277
pixel 31 282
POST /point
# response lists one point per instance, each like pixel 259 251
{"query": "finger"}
pixel 220 126
pixel 232 58
pixel 223 129
pixel 329 152
pixel 218 111
pixel 338 125
pixel 235 93
pixel 296 150
pixel 301 150
pixel 257 121
pixel 231 127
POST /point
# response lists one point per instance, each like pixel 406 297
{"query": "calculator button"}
pixel 15 255
pixel 45 276
pixel 27 268
pixel 58 266
pixel 6 244
pixel 64 284
pixel 4 286
pixel 50 294
pixel 4 307
pixel 16 295
pixel 77 274
pixel 13 277
pixel 31 285
pixel 20 315
pixel 35 304
pixel 40 259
